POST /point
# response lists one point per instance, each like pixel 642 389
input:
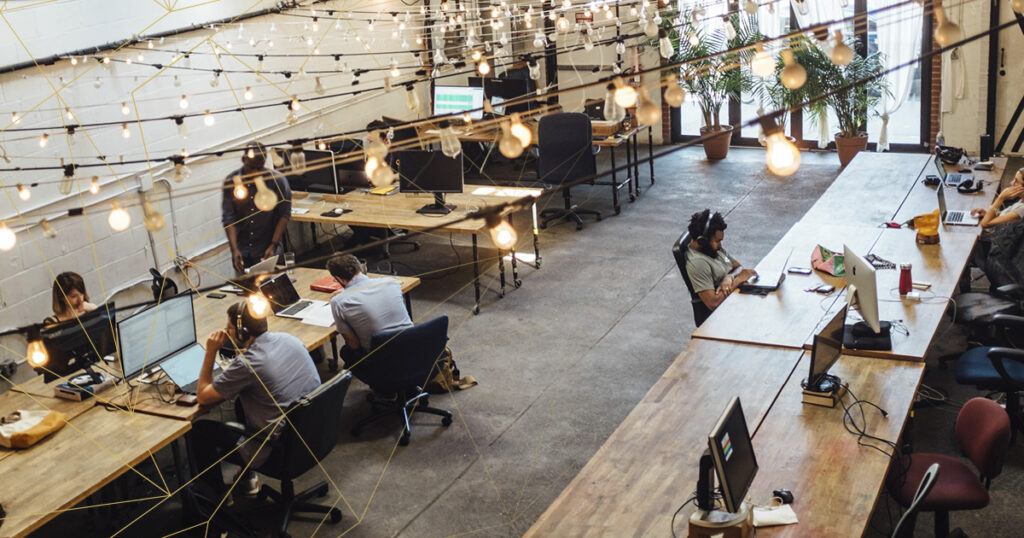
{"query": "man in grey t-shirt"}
pixel 363 307
pixel 274 372
pixel 712 272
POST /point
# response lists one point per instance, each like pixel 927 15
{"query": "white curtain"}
pixel 811 13
pixel 899 40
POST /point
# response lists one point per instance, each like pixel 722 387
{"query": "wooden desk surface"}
pixel 788 316
pixel 806 449
pixel 923 199
pixel 399 210
pixel 12 401
pixel 40 482
pixel 648 466
pixel 870 190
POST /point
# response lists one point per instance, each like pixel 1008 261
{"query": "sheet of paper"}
pixel 300 210
pixel 319 316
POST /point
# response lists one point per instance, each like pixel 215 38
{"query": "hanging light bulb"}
pixel 125 133
pixel 651 29
pixel 48 231
pixel 319 88
pixel 483 67
pixel 182 128
pixel 153 218
pixel 208 118
pixel 612 111
pixel 295 104
pixel 97 83
pixel 248 93
pixel 290 119
pixel 181 171
pixel 730 30
pixel 94 185
pixel 177 81
pixel 258 305
pixel 36 354
pixel 297 157
pixel 502 233
pixel 750 6
pixel 674 93
pixel 371 165
pixel 664 45
pixel 782 156
pixel 509 146
pixel 412 100
pixel 841 53
pixel 7 237
pixel 265 198
pixel 1018 6
pixel 450 144
pixel 43 140
pixel 693 39
pixel 68 114
pixel 762 64
pixel 947 32
pixel 321 145
pixel 69 176
pixel 620 47
pixel 794 75
pixel 15 118
pixel 124 109
pixel 647 112
pixel 394 71
pixel 23 192
pixel 534 69
pixel 239 190
pixel 183 103
pixel 520 131
pixel 74 61
pixel 625 95
pixel 119 219
pixel 315 26
pixel 383 176
pixel 215 80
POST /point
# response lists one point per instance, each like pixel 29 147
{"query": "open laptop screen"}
pixel 280 292
pixel 156 333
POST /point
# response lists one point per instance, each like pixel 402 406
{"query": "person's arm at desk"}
pixel 991 217
pixel 205 393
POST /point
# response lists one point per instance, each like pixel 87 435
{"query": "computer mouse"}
pixel 784 494
pixel 339 211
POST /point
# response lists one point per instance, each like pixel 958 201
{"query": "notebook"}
pixel 953 218
pixel 285 301
pixel 327 284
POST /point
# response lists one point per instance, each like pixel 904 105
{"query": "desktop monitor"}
pixel 79 343
pixel 155 333
pixel 430 172
pixel 320 177
pixel 503 89
pixel 351 170
pixel 733 458
pixel 861 288
pixel 828 345
pixel 458 99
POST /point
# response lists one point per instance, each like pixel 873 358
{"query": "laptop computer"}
pixel 951 180
pixel 183 368
pixel 268 265
pixel 285 301
pixel 768 282
pixel 953 218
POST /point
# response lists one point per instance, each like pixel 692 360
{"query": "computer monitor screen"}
pixel 456 99
pixel 280 292
pixel 940 168
pixel 350 165
pixel 828 345
pixel 861 289
pixel 78 343
pixel 506 89
pixel 428 172
pixel 320 175
pixel 733 454
pixel 155 333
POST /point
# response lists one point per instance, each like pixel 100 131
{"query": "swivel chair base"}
pixel 290 502
pixel 405 405
pixel 571 213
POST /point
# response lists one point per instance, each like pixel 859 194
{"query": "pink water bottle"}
pixel 906 281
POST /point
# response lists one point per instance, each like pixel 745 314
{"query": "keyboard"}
pixel 955 216
pixel 295 308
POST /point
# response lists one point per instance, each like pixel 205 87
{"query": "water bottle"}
pixel 906 281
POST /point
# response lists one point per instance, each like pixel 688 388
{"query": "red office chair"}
pixel 983 434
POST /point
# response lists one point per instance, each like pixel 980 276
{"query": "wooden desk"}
pixel 399 211
pixel 12 401
pixel 62 470
pixel 870 190
pixel 924 199
pixel 648 466
pixel 788 316
pixel 806 449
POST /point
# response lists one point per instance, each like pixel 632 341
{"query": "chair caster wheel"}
pixel 632 198
pixel 518 283
pixel 579 227
pixel 335 515
pixel 619 209
pixel 476 309
pixel 404 441
pixel 446 421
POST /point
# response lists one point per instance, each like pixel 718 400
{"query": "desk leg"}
pixel 312 229
pixel 501 272
pixel 650 151
pixel 631 180
pixel 515 270
pixel 536 238
pixel 615 183
pixel 476 277
pixel 636 163
pixel 333 362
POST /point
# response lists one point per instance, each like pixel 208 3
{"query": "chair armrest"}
pixel 1008 321
pixel 1013 292
pixel 999 354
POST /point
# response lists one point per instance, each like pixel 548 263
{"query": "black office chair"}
pixel 565 146
pixel 310 433
pixel 998 369
pixel 679 250
pixel 401 363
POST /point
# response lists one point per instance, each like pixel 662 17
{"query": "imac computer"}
pixel 155 333
pixel 499 90
pixel 862 292
pixel 79 343
pixel 351 172
pixel 458 99
pixel 730 456
pixel 429 172
pixel 828 345
pixel 320 177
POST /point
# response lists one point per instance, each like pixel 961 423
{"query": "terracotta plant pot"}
pixel 849 146
pixel 717 147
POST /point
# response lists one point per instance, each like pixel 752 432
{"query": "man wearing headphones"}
pixel 713 273
pixel 274 372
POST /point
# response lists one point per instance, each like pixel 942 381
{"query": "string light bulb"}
pixel 782 156
pixel 48 231
pixel 520 131
pixel 239 190
pixel 319 88
pixel 208 118
pixel 7 237
pixel 94 185
pixel 35 353
pixel 183 102
pixel 153 219
pixel 1018 6
pixel 647 112
pixel 664 44
pixel 124 109
pixel 44 140
pixel 316 25
pixel 730 30
pixel 248 93
pixel 450 144
pixel 612 111
pixel 947 32
pixel 68 113
pixel 371 165
pixel 625 95
pixel 67 181
pixel 762 64
pixel 74 61
pixel 176 81
pixel 674 93
pixel 750 6
pixel 383 176
pixel 23 192
pixel 258 305
pixel 97 83
pixel 483 67
pixel 265 198
pixel 509 145
pixel 295 104
pixel 297 157
pixel 125 133
pixel 119 219
pixel 503 234
pixel 793 75
pixel 841 53
pixel 181 170
pixel 412 99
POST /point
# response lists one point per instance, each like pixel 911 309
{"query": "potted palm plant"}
pixel 714 76
pixel 850 92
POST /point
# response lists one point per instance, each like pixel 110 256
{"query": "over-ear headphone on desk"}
pixel 970 186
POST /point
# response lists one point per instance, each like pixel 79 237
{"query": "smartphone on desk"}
pixel 799 270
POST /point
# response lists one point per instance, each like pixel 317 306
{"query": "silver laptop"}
pixel 183 368
pixel 952 180
pixel 266 266
pixel 953 218
pixel 768 282
pixel 285 301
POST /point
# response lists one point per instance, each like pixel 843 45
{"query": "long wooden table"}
pixel 399 211
pixel 924 199
pixel 870 190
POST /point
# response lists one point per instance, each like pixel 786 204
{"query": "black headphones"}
pixel 240 330
pixel 703 240
pixel 970 186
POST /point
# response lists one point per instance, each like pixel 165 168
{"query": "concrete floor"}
pixel 561 360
